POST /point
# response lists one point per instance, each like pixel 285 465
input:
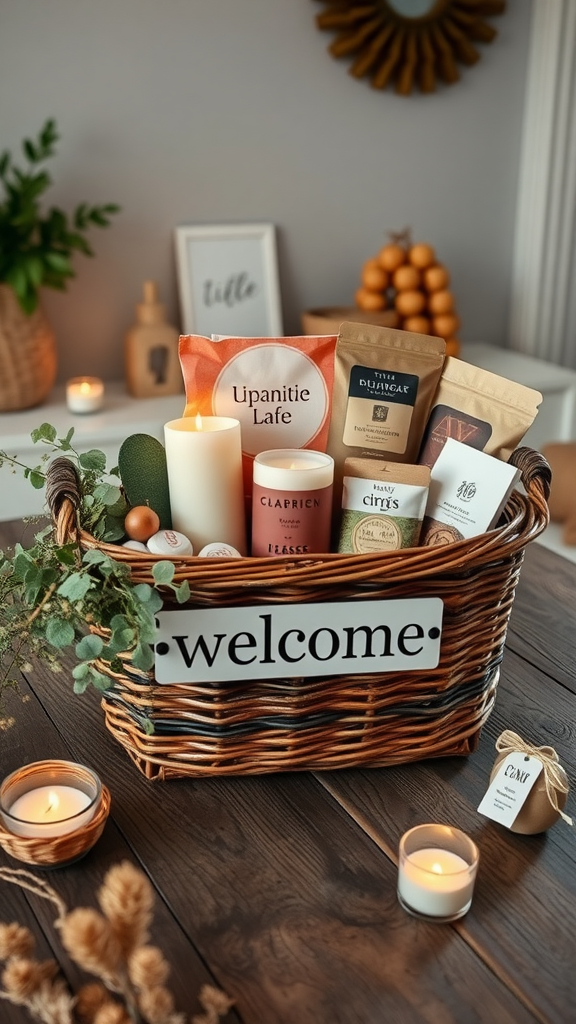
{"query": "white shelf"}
pixel 121 416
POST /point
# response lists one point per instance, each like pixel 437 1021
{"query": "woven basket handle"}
pixel 536 472
pixel 63 498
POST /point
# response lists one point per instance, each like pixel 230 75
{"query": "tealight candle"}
pixel 436 872
pixel 84 394
pixel 204 463
pixel 291 502
pixel 49 798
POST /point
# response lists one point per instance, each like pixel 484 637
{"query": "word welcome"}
pixel 279 641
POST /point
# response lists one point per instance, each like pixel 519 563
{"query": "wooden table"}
pixel 281 889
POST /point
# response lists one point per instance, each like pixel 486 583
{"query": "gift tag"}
pixel 510 788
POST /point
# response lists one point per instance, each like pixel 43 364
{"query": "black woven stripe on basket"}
pixel 433 707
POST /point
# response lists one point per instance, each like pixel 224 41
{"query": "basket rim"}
pixel 526 515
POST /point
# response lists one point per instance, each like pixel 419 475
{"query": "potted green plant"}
pixel 36 251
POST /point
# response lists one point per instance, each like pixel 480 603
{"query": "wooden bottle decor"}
pixel 151 350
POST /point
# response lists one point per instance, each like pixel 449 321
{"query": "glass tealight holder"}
pixel 436 872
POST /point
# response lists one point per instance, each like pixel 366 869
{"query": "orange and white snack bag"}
pixel 280 389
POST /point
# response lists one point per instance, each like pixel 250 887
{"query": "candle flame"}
pixel 198 421
pixel 437 868
pixel 85 387
pixel 53 802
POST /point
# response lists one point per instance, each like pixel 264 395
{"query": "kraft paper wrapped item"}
pixel 383 505
pixel 480 409
pixel 546 800
pixel 384 384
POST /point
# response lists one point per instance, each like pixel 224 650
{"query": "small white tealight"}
pixel 135 545
pixel 170 542
pixel 219 550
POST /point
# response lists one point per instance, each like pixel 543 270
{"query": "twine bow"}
pixel 554 777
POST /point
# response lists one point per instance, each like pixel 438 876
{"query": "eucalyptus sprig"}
pixel 52 593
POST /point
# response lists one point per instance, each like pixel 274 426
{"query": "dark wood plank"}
pixel 289 902
pixel 521 920
pixel 543 621
pixel 286 884
pixel 34 737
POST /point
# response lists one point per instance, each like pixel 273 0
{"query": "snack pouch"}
pixel 384 384
pixel 280 389
pixel 479 409
pixel 383 505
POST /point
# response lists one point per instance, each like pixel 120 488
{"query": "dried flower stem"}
pixel 26 880
pixel 110 945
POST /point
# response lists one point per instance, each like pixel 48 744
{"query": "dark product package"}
pixel 479 409
pixel 384 384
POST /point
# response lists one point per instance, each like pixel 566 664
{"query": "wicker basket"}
pixel 296 724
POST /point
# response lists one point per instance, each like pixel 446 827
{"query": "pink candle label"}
pixel 290 522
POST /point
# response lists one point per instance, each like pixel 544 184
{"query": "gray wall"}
pixel 224 111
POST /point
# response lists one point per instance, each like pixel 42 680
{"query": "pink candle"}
pixel 291 502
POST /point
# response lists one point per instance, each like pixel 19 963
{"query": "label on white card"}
pixel 292 640
pixel 510 787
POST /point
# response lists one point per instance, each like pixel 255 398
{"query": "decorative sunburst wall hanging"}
pixel 408 43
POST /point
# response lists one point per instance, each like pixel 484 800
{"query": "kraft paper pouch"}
pixel 479 409
pixel 280 389
pixel 384 383
pixel 383 505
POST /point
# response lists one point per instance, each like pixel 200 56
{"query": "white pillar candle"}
pixel 291 502
pixel 49 799
pixel 437 871
pixel 84 394
pixel 204 462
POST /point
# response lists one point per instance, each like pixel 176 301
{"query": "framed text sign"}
pixel 228 280
pixel 283 641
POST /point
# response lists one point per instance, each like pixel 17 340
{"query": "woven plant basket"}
pixel 297 724
pixel 27 355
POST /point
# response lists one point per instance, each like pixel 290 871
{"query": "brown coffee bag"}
pixel 384 384
pixel 480 409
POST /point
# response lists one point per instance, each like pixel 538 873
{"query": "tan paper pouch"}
pixel 280 389
pixel 384 384
pixel 383 506
pixel 480 409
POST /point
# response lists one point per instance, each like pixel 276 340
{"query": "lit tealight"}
pixel 84 394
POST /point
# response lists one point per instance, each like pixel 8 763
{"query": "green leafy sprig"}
pixel 52 593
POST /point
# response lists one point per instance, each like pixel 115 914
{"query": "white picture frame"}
pixel 228 280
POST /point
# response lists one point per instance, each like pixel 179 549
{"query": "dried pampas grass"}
pixel 112 945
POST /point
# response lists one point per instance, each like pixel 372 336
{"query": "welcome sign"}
pixel 293 640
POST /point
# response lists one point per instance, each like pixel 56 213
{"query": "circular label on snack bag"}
pixel 376 533
pixel 278 394
pixel 439 534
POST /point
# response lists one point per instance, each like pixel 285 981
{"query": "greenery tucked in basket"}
pixel 50 591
